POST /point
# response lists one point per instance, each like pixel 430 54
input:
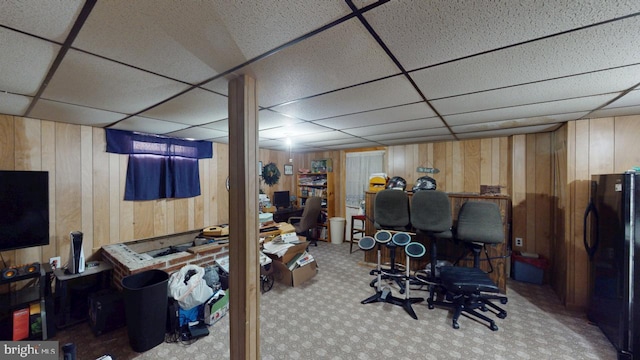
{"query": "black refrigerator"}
pixel 612 241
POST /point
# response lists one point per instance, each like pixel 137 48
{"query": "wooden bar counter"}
pixel 450 250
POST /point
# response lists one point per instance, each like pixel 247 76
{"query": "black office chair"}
pixel 391 212
pixel 305 224
pixel 431 217
pixel 468 289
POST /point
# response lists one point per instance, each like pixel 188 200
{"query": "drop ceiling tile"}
pixel 596 48
pixel 353 145
pixel 292 131
pixel 595 83
pixel 316 138
pixel 341 56
pixel 400 126
pixel 220 85
pixel 197 133
pixel 532 110
pixel 57 111
pixel 408 134
pixel 220 125
pixel 29 16
pixel 11 104
pixel 184 40
pixel 195 107
pixel 349 139
pixel 221 140
pixel 509 132
pixel 417 140
pixel 90 81
pixel 269 119
pixel 375 117
pixel 423 33
pixel 25 62
pixel 147 125
pixel 375 95
pixel 278 21
pixel 630 99
pixel 514 123
pixel 619 111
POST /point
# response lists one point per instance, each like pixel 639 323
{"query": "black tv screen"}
pixel 24 209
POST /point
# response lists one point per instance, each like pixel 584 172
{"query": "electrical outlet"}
pixel 518 241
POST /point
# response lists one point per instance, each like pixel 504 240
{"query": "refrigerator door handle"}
pixel 591 250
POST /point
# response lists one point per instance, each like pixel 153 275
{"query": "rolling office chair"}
pixel 391 212
pixel 479 224
pixel 431 217
pixel 309 220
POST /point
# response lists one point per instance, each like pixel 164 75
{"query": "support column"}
pixel 244 267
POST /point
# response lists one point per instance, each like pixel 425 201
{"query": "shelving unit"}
pixel 16 299
pixel 319 184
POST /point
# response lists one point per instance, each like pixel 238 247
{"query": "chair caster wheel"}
pixel 456 325
pixel 503 301
pixel 502 315
pixel 493 327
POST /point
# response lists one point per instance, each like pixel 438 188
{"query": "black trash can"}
pixel 145 304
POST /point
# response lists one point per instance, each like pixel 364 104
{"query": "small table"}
pixel 63 302
pixel 282 215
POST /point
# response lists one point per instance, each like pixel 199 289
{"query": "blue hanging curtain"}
pixel 159 167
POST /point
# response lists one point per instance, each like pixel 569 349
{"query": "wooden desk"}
pixel 449 250
pixel 283 215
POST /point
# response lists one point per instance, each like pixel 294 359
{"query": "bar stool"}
pixel 356 231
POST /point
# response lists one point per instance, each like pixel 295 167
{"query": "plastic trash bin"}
pixel 145 304
pixel 337 229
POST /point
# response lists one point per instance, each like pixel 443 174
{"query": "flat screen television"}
pixel 24 209
pixel 281 199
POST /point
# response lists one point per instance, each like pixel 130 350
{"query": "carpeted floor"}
pixel 324 319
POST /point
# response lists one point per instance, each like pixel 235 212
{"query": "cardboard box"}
pixel 297 276
pixel 215 310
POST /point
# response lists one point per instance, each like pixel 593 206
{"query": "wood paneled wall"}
pixel 86 188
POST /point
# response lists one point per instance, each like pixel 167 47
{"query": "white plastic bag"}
pixel 188 288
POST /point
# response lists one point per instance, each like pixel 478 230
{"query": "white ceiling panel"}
pixel 630 99
pixel 407 134
pixel 400 126
pixel 194 107
pixel 222 140
pixel 320 137
pixel 29 15
pixel 422 33
pixel 172 38
pixel 269 119
pixel 514 123
pixel 596 83
pixel 491 68
pixel 198 133
pixel 573 53
pixel 81 115
pixel 619 111
pixel 221 125
pixel 375 117
pixel 417 140
pixel 376 95
pixel 292 131
pixel 11 104
pixel 341 56
pixel 147 125
pixel 508 132
pixel 532 110
pixel 24 62
pixel 278 21
pixel 98 83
